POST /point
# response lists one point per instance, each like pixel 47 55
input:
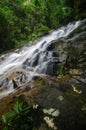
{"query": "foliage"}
pixel 61 70
pixel 25 20
pixel 6 28
pixel 19 118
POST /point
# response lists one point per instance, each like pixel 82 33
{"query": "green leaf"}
pixel 30 118
pixel 4 118
pixel 5 128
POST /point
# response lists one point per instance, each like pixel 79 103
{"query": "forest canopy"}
pixel 26 20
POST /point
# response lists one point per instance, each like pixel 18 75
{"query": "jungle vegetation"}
pixel 22 21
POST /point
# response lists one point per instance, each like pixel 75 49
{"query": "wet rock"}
pixel 50 47
pixel 14 84
pixel 1 82
pixel 34 59
pixel 6 84
pixel 26 63
pixel 23 78
pixel 77 38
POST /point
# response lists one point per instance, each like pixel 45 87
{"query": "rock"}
pixel 23 78
pixel 14 84
pixel 6 84
pixel 58 94
pixel 1 82
pixel 34 60
pixel 26 63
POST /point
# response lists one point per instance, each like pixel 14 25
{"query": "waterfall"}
pixel 36 58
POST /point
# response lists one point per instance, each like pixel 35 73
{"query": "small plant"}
pixel 19 118
pixel 61 70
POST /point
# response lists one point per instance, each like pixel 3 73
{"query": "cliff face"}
pixel 64 89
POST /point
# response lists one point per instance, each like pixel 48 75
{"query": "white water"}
pixel 34 59
pixel 15 60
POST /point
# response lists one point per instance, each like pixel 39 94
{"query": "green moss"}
pixel 72 94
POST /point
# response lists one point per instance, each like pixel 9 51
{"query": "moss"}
pixel 72 95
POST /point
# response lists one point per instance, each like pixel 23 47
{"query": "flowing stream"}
pixel 33 59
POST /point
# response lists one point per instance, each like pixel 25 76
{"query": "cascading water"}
pixel 34 59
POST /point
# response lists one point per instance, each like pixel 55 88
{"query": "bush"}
pixel 19 118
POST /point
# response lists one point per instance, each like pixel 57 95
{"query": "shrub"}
pixel 19 118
